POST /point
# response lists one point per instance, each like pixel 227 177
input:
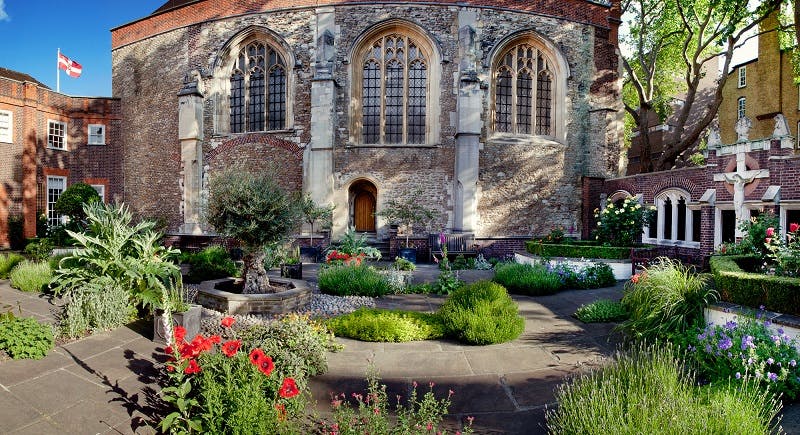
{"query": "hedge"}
pixel 775 293
pixel 578 250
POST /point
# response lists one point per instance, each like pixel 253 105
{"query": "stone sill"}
pixel 722 312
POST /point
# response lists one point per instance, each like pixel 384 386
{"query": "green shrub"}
pixel 603 310
pixel 31 277
pixel 369 324
pixel 728 353
pixel 401 263
pixel 577 250
pixel 213 262
pixel 297 343
pixel 482 313
pixel 97 308
pixel 25 337
pixel 646 391
pixel 737 286
pixel 666 299
pixel 361 280
pixel 7 262
pixel 621 224
pixel 527 279
pixel 72 200
pixel 39 249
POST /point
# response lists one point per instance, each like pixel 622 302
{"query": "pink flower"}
pixel 442 239
pixel 770 232
pixel 793 227
pixel 768 240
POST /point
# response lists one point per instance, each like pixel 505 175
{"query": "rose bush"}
pixel 621 225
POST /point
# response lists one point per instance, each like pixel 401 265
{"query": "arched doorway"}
pixel 363 198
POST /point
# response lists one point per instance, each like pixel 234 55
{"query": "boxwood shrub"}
pixel 482 313
pixel 213 262
pixel 578 250
pixel 740 287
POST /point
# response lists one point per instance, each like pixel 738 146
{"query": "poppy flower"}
pixel 227 322
pixel 215 339
pixel 256 355
pixel 265 365
pixel 168 350
pixel 288 389
pixel 793 227
pixel 180 333
pixel 192 367
pixel 229 348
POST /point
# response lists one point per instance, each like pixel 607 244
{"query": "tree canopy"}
pixel 669 46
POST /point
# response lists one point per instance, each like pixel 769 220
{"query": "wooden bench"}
pixel 456 243
pixel 641 257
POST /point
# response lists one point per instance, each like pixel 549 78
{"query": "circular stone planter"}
pixel 294 298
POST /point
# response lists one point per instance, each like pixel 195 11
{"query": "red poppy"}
pixel 229 348
pixel 288 389
pixel 215 339
pixel 168 350
pixel 793 227
pixel 256 355
pixel 227 321
pixel 265 365
pixel 189 350
pixel 180 333
pixel 192 367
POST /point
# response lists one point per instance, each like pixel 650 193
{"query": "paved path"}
pixel 105 383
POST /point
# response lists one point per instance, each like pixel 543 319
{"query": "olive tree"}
pixel 254 209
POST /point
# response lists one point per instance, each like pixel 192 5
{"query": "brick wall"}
pixel 23 162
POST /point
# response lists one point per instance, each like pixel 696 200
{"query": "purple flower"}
pixel 708 348
pixel 442 239
pixel 725 344
pixel 772 376
pixel 770 361
pixel 749 361
pixel 780 331
pixel 701 337
pixel 792 363
pixel 738 375
pixel 767 323
pixel 761 307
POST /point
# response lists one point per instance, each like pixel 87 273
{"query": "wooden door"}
pixel 364 212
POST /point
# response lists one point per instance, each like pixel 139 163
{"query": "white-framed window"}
pixel 740 107
pixel 743 76
pixel 677 220
pixel 97 134
pixel 101 190
pixel 56 135
pixel 6 126
pixel 789 214
pixel 55 187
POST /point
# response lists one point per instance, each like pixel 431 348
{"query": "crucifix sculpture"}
pixel 740 179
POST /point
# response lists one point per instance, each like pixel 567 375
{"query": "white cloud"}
pixel 3 14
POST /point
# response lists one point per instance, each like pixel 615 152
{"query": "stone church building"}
pixel 495 110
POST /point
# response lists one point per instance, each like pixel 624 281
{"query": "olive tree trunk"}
pixel 255 276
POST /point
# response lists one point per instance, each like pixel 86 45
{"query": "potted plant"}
pixel 183 314
pixel 313 213
pixel 408 212
pixel 292 267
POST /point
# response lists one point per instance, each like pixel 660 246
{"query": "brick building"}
pixel 496 110
pixel 761 88
pixel 49 141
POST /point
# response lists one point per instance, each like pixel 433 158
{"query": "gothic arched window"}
pixel 392 80
pixel 258 89
pixel 523 97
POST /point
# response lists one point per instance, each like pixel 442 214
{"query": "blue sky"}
pixel 32 31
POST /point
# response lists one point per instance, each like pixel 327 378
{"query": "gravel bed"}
pixel 320 306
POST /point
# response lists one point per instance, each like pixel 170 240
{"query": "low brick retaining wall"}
pixel 287 301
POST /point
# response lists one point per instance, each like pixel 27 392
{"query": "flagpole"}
pixel 58 74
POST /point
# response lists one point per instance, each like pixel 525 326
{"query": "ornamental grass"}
pixel 31 277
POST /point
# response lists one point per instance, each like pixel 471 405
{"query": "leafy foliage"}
pixel 39 249
pixel 408 211
pixel 115 253
pixel 482 313
pixel 369 324
pixel 213 262
pixel 647 391
pixel 352 280
pixel 72 200
pixel 313 213
pixel 25 338
pixel 666 299
pixel 355 245
pixel 31 277
pixel 401 263
pixel 526 279
pixel 600 311
pixel 7 262
pixel 103 308
pixel 577 250
pixel 621 225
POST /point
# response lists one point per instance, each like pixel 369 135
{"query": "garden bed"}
pixel 621 268
pixel 217 295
